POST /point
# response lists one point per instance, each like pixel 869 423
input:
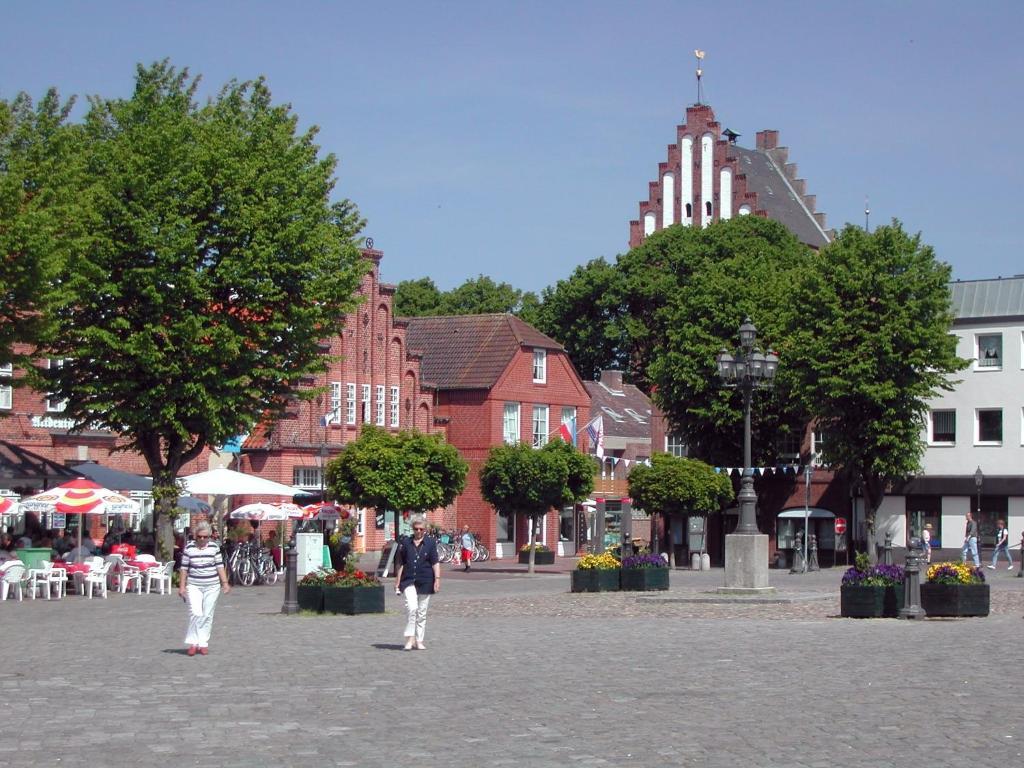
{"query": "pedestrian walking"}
pixel 418 577
pixel 468 545
pixel 1002 545
pixel 202 576
pixel 971 540
pixel 926 542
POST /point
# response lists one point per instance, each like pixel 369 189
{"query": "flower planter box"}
pixel 858 602
pixel 311 598
pixel 955 599
pixel 539 558
pixel 353 600
pixel 643 579
pixel 596 580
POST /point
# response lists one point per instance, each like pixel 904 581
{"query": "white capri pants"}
pixel 202 600
pixel 416 607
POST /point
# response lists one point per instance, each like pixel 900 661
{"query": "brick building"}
pixel 497 380
pixel 373 378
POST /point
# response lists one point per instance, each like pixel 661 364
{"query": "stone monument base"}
pixel 746 565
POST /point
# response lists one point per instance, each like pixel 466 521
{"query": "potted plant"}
pixel 542 555
pixel 871 592
pixel 955 589
pixel 644 572
pixel 310 590
pixel 351 591
pixel 596 573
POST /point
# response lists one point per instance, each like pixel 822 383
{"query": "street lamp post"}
pixel 746 549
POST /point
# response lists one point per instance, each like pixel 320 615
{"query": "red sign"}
pixel 840 526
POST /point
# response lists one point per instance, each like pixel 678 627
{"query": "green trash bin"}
pixel 33 556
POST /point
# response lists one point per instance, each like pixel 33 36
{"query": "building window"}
pixel 380 405
pixel 540 366
pixel 990 426
pixel 510 424
pixel 540 425
pixel 569 419
pixel 6 392
pixel 675 445
pixel 640 419
pixel 943 427
pixel 689 210
pixel 336 401
pixel 366 404
pixel 55 406
pixel 990 350
pixel 817 448
pixel 350 403
pixel 787 445
pixel 615 415
pixel 394 406
pixel 307 477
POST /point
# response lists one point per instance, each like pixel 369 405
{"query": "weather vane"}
pixel 700 58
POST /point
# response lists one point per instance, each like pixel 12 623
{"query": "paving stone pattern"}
pixel 519 672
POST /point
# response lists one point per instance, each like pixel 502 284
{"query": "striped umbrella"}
pixel 325 510
pixel 80 497
pixel 9 506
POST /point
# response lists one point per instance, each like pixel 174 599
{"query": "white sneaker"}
pixel 991 566
pixel 1009 567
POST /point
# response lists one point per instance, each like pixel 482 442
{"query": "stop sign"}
pixel 840 526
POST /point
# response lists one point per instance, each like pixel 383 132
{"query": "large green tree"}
pixel 672 485
pixel 40 223
pixel 743 267
pixel 869 343
pixel 404 472
pixel 476 296
pixel 519 479
pixel 417 298
pixel 215 262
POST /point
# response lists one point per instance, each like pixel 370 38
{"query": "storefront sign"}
pixel 58 520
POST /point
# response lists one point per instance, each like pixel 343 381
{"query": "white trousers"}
pixel 202 600
pixel 416 608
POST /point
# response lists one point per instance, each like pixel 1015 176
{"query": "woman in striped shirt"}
pixel 202 575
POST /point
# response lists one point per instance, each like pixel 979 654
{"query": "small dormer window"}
pixel 707 207
pixel 540 366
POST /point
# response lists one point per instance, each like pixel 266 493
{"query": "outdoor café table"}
pixel 142 565
pixel 74 570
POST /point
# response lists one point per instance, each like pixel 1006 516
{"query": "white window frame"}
pixel 931 427
pixel 55 406
pixel 395 396
pixel 977 426
pixel 380 405
pixel 367 416
pixel 640 419
pixel 336 401
pixel 307 477
pixel 979 351
pixel 617 417
pixel 7 391
pixel 817 440
pixel 540 366
pixel 675 445
pixel 360 522
pixel 350 403
pixel 540 423
pixel 510 423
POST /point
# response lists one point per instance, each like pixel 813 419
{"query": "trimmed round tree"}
pixel 678 486
pixel 523 480
pixel 404 471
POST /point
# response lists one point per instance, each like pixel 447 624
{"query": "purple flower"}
pixel 644 561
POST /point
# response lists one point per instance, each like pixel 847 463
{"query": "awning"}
pixel 112 478
pixel 23 468
pixel 814 512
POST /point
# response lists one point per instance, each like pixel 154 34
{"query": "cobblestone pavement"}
pixel 518 673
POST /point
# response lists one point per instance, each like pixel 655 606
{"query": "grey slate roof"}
pixel 1000 297
pixel 470 351
pixel 776 197
pixel 616 401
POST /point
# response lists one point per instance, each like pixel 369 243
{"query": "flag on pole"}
pixel 565 432
pixel 595 431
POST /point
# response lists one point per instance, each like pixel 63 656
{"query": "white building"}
pixel 977 425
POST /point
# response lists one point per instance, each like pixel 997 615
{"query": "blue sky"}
pixel 516 140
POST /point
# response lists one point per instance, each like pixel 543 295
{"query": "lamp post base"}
pixel 746 564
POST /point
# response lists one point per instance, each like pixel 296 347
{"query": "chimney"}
pixel 612 379
pixel 767 139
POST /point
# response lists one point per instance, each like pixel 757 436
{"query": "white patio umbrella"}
pixel 227 482
pixel 80 497
pixel 271 512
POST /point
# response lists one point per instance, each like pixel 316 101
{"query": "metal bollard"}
pixel 291 582
pixel 812 555
pixel 799 566
pixel 887 550
pixel 912 583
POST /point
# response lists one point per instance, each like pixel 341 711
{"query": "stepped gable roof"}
pixel 1000 297
pixel 776 197
pixel 612 402
pixel 470 351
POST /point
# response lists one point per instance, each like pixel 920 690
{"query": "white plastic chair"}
pixel 97 577
pixel 13 576
pixel 114 574
pixel 46 577
pixel 128 576
pixel 161 576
